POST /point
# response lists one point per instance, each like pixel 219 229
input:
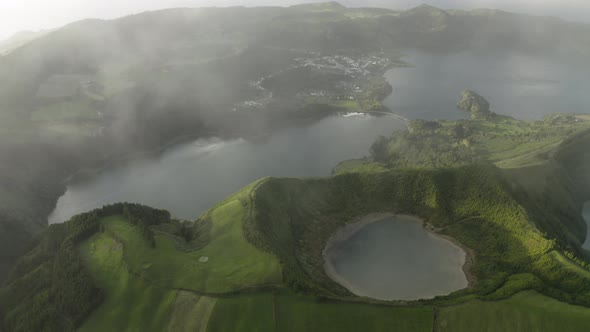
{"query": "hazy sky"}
pixel 17 15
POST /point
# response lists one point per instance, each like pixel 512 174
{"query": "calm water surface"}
pixel 397 259
pixel 522 86
pixel 189 179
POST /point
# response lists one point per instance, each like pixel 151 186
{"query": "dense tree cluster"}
pixel 477 205
pixel 50 289
pixel 421 148
pixel 496 138
pixel 144 218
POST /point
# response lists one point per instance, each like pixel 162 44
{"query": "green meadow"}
pixel 526 311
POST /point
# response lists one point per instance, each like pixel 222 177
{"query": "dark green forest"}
pixel 49 289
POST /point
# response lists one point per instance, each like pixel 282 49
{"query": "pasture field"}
pixel 131 303
pixel 232 263
pixel 525 311
pixel 287 312
pixel 191 312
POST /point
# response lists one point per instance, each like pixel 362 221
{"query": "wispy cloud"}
pixel 20 15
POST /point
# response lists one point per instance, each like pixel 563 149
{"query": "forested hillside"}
pixel 97 90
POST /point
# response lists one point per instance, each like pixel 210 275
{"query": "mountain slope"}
pixel 19 39
pixel 289 221
pixel 97 90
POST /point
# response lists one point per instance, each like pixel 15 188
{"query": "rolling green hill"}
pixel 235 264
pixel 502 140
pixel 478 205
pixel 546 159
pixel 510 191
pixel 143 81
pixel 255 260
pixel 526 311
pixel 131 303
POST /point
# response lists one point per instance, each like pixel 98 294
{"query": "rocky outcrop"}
pixel 475 104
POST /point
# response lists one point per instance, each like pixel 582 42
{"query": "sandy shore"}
pixel 469 254
pixel 352 228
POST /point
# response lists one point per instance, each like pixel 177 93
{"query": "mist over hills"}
pixel 96 89
pixel 60 12
pixel 95 92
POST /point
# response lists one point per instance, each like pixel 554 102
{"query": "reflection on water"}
pixel 525 87
pixel 189 179
pixel 397 259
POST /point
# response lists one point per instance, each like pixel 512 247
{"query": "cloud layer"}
pixel 20 15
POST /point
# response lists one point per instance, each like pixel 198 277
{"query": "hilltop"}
pixel 484 136
pixel 261 248
pixel 18 40
pixel 95 84
pixel 96 90
pixel 320 6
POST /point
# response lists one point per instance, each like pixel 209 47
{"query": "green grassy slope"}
pixel 503 140
pixel 570 265
pixel 191 312
pixel 131 303
pixel 333 316
pixel 475 204
pixel 526 311
pixel 197 48
pixel 290 220
pixel 272 233
pixel 288 312
pixel 547 160
pixel 550 196
pixel 243 313
pixel 233 263
pixel 51 288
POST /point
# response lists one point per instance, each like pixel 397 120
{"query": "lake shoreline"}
pixel 469 254
pixel 364 130
pixel 114 161
pixel 350 229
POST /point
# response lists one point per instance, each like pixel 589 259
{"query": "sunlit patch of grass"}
pixel 232 262
pixel 131 303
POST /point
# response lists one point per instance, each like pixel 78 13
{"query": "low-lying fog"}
pixel 40 14
pixel 190 179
